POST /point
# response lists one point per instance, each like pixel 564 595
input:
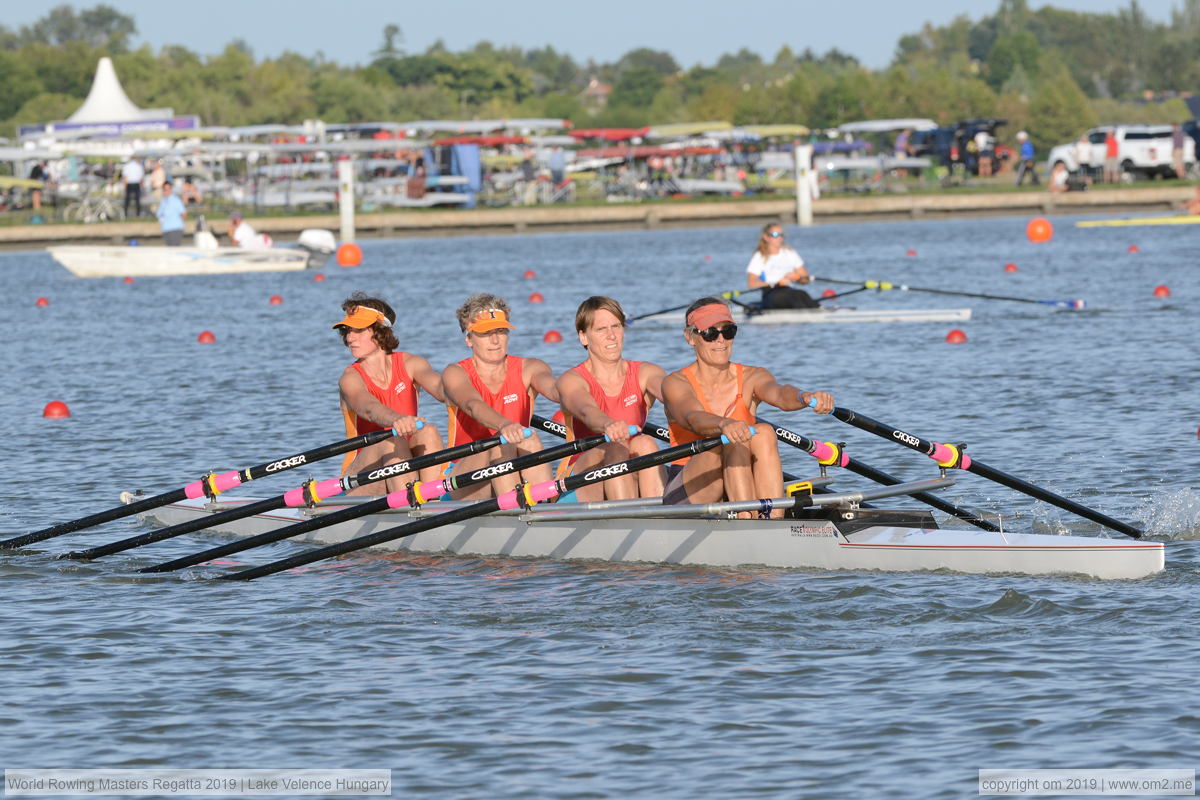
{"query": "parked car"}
pixel 1142 151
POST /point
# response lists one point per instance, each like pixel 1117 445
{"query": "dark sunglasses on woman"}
pixel 711 334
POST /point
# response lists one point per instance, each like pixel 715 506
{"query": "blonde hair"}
pixel 762 238
pixel 588 308
pixel 476 304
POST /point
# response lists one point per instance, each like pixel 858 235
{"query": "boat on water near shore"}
pixel 837 533
pixel 789 316
pixel 312 251
pixel 1185 219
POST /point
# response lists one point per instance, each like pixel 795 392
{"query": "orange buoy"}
pixel 206 337
pixel 56 409
pixel 828 293
pixel 128 279
pixel 956 337
pixel 552 337
pixel 319 277
pixel 1133 248
pixel 1039 230
pixel 536 297
pixel 708 258
pixel 1162 291
pixel 276 300
pixel 1010 267
pixel 530 275
pixel 910 253
pixel 42 302
pixel 349 255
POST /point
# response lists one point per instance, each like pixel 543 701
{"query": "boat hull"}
pixel 779 544
pixel 115 262
pixel 792 316
pixel 1193 219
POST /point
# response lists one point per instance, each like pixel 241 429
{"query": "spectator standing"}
pixel 1083 157
pixel 1177 150
pixel 557 162
pixel 132 172
pixel 158 177
pixel 1026 159
pixel 171 214
pixel 983 150
pixel 1112 154
pixel 38 173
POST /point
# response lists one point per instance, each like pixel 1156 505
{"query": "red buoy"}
pixel 956 337
pixel 1010 267
pixel 206 337
pixel 536 297
pixel 558 417
pixel 42 302
pixel 552 337
pixel 128 279
pixel 56 409
pixel 530 275
pixel 1162 291
pixel 1133 248
pixel 708 258
pixel 828 293
pixel 349 255
pixel 910 253
pixel 276 300
pixel 1039 230
pixel 319 277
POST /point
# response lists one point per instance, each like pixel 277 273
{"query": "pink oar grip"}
pixel 538 492
pixel 193 490
pixel 397 500
pixel 323 490
pixel 824 451
pixel 944 454
pixel 226 480
pixel 507 500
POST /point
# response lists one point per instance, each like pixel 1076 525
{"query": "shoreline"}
pixel 640 216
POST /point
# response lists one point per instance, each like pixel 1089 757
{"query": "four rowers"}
pixel 491 392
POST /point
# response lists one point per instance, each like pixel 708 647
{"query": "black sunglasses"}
pixel 711 334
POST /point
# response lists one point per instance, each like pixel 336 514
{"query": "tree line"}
pixel 1051 72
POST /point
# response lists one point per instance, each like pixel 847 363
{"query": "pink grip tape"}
pixel 944 454
pixel 507 500
pixel 193 490
pixel 227 480
pixel 546 490
pixel 824 452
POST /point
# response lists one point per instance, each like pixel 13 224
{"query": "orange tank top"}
pixel 627 405
pixel 400 395
pixel 513 401
pixel 739 409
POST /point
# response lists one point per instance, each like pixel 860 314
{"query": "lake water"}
pixel 501 678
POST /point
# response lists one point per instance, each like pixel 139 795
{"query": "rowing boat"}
pixel 836 533
pixel 791 316
pixel 1189 219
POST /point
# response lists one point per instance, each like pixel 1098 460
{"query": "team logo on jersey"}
pixel 631 400
pixel 511 398
pixel 400 387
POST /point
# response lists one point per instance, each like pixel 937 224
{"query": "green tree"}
pixel 1059 111
pixel 636 87
pixel 18 84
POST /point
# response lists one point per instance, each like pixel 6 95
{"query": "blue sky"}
pixel 694 31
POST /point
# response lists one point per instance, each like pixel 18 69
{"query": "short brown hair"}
pixel 383 335
pixel 588 308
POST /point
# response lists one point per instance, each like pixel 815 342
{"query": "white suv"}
pixel 1141 150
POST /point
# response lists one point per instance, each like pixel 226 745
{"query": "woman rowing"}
pixel 379 391
pixel 606 394
pixel 714 396
pixel 774 267
pixel 491 392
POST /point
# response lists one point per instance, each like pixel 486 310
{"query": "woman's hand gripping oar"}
pixel 949 456
pixel 210 485
pixel 523 495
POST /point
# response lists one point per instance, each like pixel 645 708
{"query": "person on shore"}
pixel 189 193
pixel 606 394
pixel 171 215
pixel 1177 151
pixel 1025 157
pixel 774 267
pixel 715 396
pixel 1112 157
pixel 1058 179
pixel 37 173
pixel 244 236
pixel 379 391
pixel 1083 158
pixel 132 172
pixel 491 392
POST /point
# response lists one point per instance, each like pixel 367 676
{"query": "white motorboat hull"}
pixel 779 544
pixel 144 261
pixel 792 316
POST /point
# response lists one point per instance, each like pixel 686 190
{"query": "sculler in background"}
pixel 774 267
pixel 245 237
pixel 715 396
pixel 379 390
pixel 606 394
pixel 491 392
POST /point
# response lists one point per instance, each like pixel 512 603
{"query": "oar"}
pixel 524 495
pixel 210 485
pixel 950 456
pixel 310 493
pixel 417 494
pixel 883 286
pixel 732 294
pixel 828 453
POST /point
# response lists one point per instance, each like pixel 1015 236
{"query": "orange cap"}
pixel 364 317
pixel 706 316
pixel 491 320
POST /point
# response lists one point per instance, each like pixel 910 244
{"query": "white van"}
pixel 1142 150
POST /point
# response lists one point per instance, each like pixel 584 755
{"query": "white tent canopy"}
pixel 107 101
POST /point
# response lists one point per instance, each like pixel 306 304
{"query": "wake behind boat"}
pixel 790 316
pixel 838 534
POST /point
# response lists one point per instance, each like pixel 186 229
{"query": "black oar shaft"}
pixel 731 294
pixel 468 512
pixel 167 498
pixel 983 470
